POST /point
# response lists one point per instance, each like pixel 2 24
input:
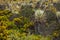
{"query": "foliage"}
pixel 20 28
pixel 27 11
pixel 14 27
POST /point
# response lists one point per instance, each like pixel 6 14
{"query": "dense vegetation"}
pixel 21 26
